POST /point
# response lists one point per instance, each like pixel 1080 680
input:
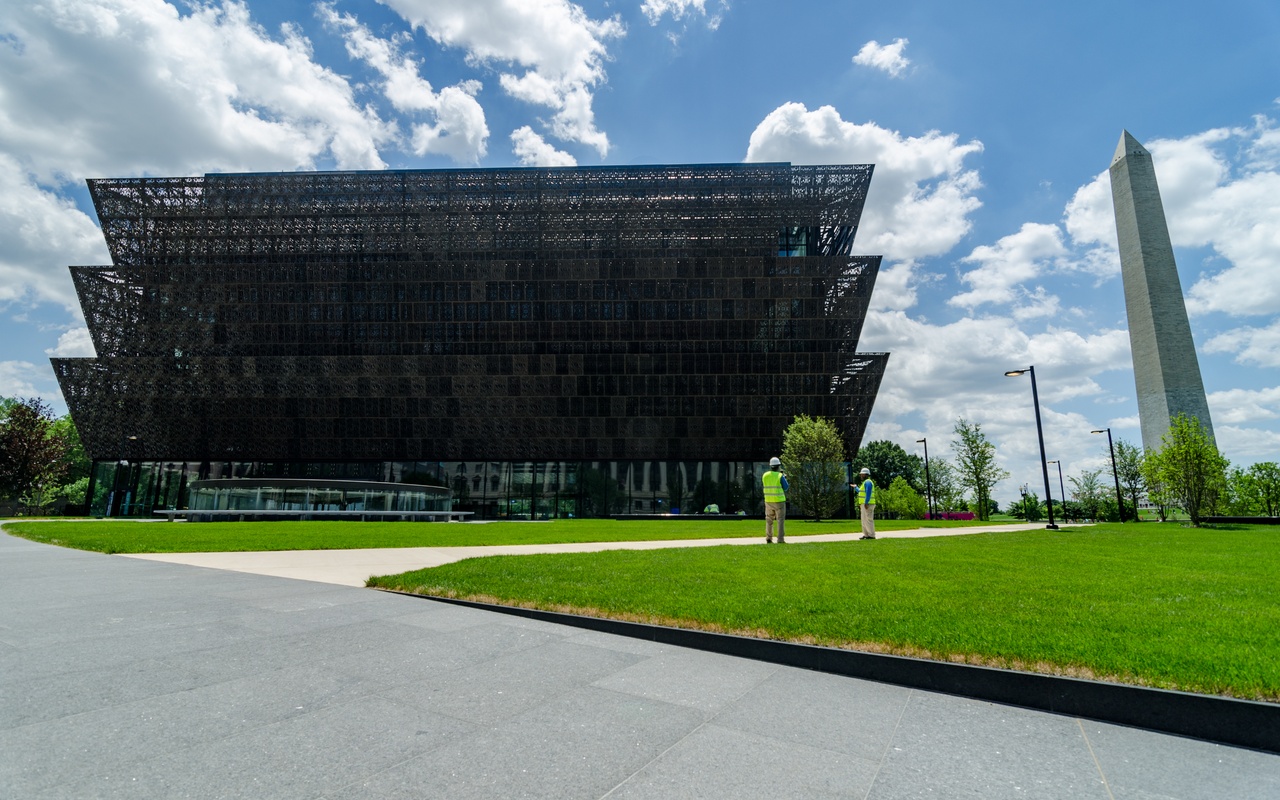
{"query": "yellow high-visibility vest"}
pixel 772 481
pixel 867 492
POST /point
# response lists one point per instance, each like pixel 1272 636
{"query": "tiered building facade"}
pixel 545 342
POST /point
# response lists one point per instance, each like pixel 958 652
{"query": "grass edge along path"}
pixel 151 536
pixel 1151 605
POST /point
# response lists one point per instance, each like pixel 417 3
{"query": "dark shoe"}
pixel 781 540
pixel 768 541
pixel 866 537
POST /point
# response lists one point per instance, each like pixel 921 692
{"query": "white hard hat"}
pixel 865 471
pixel 775 462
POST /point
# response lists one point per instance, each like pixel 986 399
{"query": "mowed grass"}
pixel 106 536
pixel 1151 604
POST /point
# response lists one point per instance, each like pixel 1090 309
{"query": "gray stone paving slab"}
pixel 954 747
pixel 220 684
pixel 819 710
pixel 575 746
pixel 1178 768
pixel 512 684
pixel 691 678
pixel 715 762
pixel 49 697
pixel 303 757
pixel 443 617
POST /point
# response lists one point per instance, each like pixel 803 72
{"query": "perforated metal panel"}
pixel 511 314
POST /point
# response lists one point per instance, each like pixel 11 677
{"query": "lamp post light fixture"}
pixel 1044 467
pixel 928 484
pixel 1061 487
pixel 1116 475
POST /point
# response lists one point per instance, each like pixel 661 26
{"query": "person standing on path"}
pixel 866 489
pixel 775 500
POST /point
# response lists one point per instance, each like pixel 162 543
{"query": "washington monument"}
pixel 1165 367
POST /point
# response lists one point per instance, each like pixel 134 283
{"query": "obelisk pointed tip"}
pixel 1128 146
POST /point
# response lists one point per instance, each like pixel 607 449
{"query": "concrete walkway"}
pixel 128 678
pixel 352 567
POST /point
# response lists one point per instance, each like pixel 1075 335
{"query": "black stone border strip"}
pixel 1241 723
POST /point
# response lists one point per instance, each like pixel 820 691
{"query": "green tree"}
pixel 1087 490
pixel 31 453
pixel 1241 496
pixel 887 461
pixel 1188 468
pixel 813 457
pixel 976 465
pixel 947 494
pixel 1266 476
pixel 1028 507
pixel 902 499
pixel 1129 471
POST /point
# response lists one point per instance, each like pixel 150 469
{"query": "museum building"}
pixel 517 342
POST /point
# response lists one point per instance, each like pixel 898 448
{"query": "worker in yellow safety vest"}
pixel 775 500
pixel 866 492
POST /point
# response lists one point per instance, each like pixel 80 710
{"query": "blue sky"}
pixel 991 124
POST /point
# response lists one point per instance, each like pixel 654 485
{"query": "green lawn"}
pixel 107 536
pixel 1159 605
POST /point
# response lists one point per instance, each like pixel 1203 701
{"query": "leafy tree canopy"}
pixel 1187 469
pixel 813 458
pixel 32 454
pixel 888 461
pixel 976 467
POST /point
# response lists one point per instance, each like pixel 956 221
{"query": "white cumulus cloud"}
pixel 561 50
pixel 884 57
pixel 107 88
pixel 1012 261
pixel 1251 345
pixel 921 192
pixel 24 379
pixel 40 235
pixel 75 343
pixel 534 151
pixel 459 129
pixel 126 87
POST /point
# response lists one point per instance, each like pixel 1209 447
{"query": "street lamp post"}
pixel 1062 488
pixel 1116 475
pixel 928 484
pixel 1044 467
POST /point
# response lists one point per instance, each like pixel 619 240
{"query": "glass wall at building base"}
pixel 494 490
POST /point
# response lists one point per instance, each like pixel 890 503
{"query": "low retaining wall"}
pixel 1242 723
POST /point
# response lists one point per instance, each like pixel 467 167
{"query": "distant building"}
pixel 1165 368
pixel 543 342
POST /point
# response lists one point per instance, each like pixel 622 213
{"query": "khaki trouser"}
pixel 869 520
pixel 774 511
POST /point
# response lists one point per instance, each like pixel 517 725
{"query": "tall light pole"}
pixel 1061 488
pixel 1044 467
pixel 928 484
pixel 1115 474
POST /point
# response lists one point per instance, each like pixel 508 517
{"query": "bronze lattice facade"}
pixel 672 314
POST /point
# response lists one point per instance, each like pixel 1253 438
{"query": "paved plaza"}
pixel 129 678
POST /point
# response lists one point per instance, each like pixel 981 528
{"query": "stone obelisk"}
pixel 1165 367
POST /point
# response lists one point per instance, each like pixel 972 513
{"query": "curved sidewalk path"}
pixel 353 567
